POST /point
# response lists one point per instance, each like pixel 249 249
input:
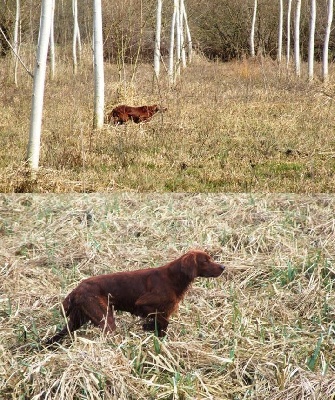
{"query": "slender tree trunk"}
pixel 288 49
pixel 75 35
pixel 326 42
pixel 252 32
pixel 280 32
pixel 311 41
pixel 78 38
pixel 98 118
pixel 182 40
pixel 297 38
pixel 171 51
pixel 178 37
pixel 188 35
pixel 16 38
pixel 52 42
pixel 157 51
pixel 33 151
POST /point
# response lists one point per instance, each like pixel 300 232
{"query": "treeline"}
pixel 220 28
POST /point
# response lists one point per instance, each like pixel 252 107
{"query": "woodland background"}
pixel 220 29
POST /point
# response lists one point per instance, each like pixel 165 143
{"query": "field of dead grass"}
pixel 265 330
pixel 238 127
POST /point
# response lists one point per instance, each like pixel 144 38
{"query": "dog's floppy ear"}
pixel 189 265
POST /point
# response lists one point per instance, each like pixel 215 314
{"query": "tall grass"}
pixel 265 330
pixel 238 126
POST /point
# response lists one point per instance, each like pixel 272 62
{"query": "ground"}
pixel 241 126
pixel 265 329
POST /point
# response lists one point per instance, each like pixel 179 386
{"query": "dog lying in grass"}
pixel 152 294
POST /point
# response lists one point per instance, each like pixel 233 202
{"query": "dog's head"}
pixel 156 108
pixel 198 263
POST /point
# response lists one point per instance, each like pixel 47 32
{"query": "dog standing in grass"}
pixel 152 293
pixel 121 114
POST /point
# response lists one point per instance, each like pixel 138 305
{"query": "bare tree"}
pixel 280 32
pixel 311 40
pixel 182 39
pixel 297 38
pixel 52 42
pixel 326 42
pixel 171 51
pixel 76 35
pixel 288 49
pixel 178 37
pixel 33 151
pixel 252 32
pixel 99 100
pixel 157 51
pixel 16 38
pixel 188 35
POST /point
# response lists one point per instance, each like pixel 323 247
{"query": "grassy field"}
pixel 234 127
pixel 265 330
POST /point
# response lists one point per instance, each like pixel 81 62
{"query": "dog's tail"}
pixel 75 319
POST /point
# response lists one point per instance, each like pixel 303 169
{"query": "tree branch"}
pixel 16 55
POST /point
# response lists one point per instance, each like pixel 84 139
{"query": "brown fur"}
pixel 152 293
pixel 121 114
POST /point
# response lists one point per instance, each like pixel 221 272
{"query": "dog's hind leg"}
pixel 100 313
pixel 73 324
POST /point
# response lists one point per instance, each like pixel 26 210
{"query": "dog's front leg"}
pixel 155 308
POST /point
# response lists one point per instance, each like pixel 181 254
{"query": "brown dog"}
pixel 121 114
pixel 152 293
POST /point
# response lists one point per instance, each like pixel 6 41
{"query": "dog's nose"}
pixel 222 267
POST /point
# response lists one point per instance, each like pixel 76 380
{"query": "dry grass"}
pixel 264 331
pixel 240 126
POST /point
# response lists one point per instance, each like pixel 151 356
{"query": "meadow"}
pixel 264 330
pixel 210 173
pixel 240 126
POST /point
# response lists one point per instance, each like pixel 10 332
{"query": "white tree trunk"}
pixel 33 151
pixel 171 51
pixel 99 101
pixel 288 49
pixel 52 42
pixel 252 32
pixel 326 42
pixel 75 35
pixel 78 39
pixel 280 32
pixel 182 41
pixel 311 40
pixel 178 37
pixel 16 38
pixel 157 51
pixel 188 34
pixel 297 38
